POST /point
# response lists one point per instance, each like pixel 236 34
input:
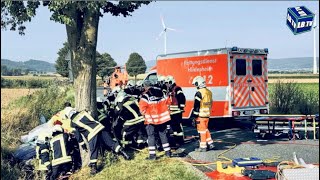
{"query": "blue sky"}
pixel 202 25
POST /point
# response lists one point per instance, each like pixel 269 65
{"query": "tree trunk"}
pixel 82 38
pixel 135 79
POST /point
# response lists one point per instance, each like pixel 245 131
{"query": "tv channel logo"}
pixel 299 19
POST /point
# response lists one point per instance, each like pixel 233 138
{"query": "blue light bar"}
pixel 234 48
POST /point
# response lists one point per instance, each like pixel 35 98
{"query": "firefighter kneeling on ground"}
pixel 129 124
pixel 61 152
pixel 201 113
pixel 43 154
pixel 154 106
pixel 94 132
pixel 178 101
pixel 66 125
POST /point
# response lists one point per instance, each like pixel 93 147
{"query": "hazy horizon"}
pixel 201 24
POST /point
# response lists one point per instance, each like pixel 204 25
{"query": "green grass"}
pixel 139 168
pixel 306 87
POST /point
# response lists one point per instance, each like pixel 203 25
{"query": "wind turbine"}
pixel 164 31
pixel 315 68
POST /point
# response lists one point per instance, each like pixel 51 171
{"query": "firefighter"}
pixel 178 101
pixel 161 82
pixel 105 88
pixel 61 152
pixel 131 90
pixel 102 114
pixel 154 106
pixel 201 113
pixel 129 123
pixel 93 132
pixel 140 89
pixel 66 125
pixel 43 154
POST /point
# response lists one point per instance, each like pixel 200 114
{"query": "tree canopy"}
pixel 105 64
pixel 61 62
pixel 135 65
pixel 82 21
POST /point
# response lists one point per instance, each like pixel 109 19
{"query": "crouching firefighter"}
pixel 61 152
pixel 178 101
pixel 43 154
pixel 201 113
pixel 129 124
pixel 94 132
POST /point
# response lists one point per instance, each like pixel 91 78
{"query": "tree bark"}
pixel 82 38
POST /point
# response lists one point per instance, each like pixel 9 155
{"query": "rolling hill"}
pixel 34 65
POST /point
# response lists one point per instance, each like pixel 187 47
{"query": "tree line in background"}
pixel 104 63
pixel 5 71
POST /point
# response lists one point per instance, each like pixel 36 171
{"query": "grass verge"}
pixel 139 168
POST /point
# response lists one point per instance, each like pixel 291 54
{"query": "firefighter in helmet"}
pixel 154 106
pixel 129 124
pixel 43 154
pixel 201 113
pixel 161 83
pixel 61 151
pixel 93 131
pixel 178 101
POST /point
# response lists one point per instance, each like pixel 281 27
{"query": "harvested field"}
pixel 9 95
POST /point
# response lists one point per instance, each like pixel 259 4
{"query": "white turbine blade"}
pixel 162 21
pixel 172 29
pixel 160 35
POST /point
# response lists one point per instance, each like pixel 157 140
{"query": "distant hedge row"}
pixel 25 83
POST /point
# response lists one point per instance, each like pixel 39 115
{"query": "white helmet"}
pixel 170 80
pixel 120 97
pixel 43 135
pixel 99 99
pixel 130 84
pixel 199 82
pixel 161 78
pixel 139 83
pixel 69 111
pixel 116 89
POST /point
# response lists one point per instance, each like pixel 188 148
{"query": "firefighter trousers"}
pixel 75 154
pixel 160 129
pixel 202 128
pixel 176 126
pixel 104 137
pixel 129 133
pixel 60 169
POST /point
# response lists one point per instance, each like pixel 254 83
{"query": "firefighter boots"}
pixel 168 154
pixel 124 155
pixel 210 147
pixel 151 157
pixel 93 170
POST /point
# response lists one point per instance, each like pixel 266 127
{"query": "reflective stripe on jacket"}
pixel 178 100
pixel 42 155
pixel 154 106
pixel 86 125
pixel 60 149
pixel 203 103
